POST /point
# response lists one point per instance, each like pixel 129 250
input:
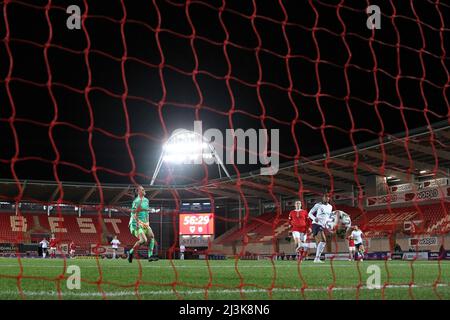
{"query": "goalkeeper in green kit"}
pixel 140 225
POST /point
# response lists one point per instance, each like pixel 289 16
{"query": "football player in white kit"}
pixel 357 235
pixel 115 246
pixel 320 215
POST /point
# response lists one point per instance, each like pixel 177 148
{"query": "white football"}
pixel 344 220
pixel 331 223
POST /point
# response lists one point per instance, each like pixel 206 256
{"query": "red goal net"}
pixel 88 98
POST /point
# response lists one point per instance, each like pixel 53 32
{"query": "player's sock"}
pixel 319 250
pixel 323 247
pixel 130 255
pixel 304 249
pixel 151 245
pixel 301 254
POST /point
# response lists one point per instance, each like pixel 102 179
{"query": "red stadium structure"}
pixel 363 114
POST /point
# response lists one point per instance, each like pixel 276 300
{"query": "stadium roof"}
pixel 423 152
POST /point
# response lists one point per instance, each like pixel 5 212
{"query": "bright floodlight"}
pixel 187 147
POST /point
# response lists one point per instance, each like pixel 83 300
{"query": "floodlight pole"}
pixel 158 167
pixel 220 163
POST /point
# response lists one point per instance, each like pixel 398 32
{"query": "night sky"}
pixel 223 62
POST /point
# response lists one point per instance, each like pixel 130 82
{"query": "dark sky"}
pixel 178 67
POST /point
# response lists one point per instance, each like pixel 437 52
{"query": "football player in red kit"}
pixel 52 245
pixel 351 249
pixel 72 249
pixel 300 227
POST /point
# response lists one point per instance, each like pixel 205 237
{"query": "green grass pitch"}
pixel 227 279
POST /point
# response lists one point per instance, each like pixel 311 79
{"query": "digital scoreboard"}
pixel 196 223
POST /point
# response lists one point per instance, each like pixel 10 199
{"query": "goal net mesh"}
pixel 116 88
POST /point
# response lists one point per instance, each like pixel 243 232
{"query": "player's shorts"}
pixel 358 245
pixel 136 231
pixel 72 251
pixel 299 235
pixel 351 248
pixel 316 228
pixel 52 249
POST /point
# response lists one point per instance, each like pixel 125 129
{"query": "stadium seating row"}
pixel 83 230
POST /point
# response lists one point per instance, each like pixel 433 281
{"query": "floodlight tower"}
pixel 185 147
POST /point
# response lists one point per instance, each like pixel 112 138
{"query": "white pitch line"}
pixel 362 264
pixel 210 291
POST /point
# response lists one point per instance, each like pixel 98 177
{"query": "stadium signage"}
pixel 402 187
pixel 415 256
pixel 382 200
pixel 58 225
pixel 378 255
pixel 196 223
pixel 435 183
pixel 195 207
pixel 427 241
pixel 397 256
pixel 195 241
pixel 404 197
pixel 439 256
pixel 105 250
pixel 8 248
pixel 412 225
pixel 433 256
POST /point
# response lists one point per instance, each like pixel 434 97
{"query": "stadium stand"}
pixel 262 230
pixel 383 227
pixel 84 231
pixel 428 219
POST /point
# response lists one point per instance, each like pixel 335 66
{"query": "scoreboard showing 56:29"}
pixel 196 223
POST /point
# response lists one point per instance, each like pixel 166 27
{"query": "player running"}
pixel 72 249
pixel 320 215
pixel 300 226
pixel 357 235
pixel 115 246
pixel 44 245
pixel 53 244
pixel 140 225
pixel 351 248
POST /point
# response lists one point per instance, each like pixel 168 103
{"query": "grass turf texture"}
pixel 227 279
